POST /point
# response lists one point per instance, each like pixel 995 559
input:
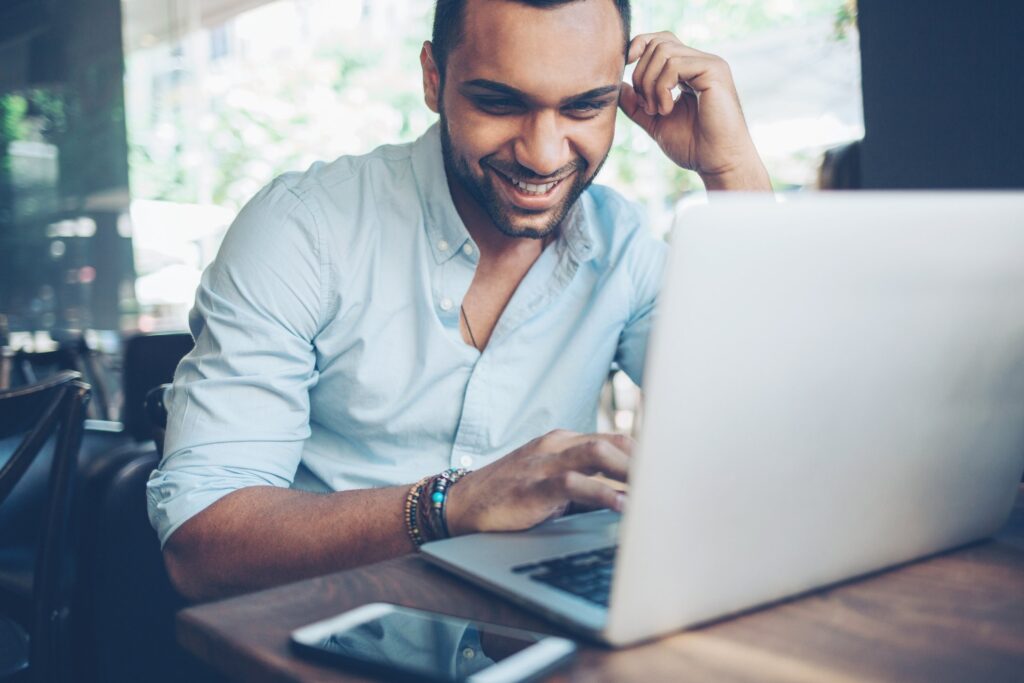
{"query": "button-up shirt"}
pixel 328 352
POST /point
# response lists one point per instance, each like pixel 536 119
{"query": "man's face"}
pixel 528 108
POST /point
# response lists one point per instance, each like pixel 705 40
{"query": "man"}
pixel 450 303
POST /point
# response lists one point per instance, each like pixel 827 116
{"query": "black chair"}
pixel 156 415
pixel 72 353
pixel 149 360
pixel 51 411
pixel 123 604
pixel 126 604
pixel 23 509
pixel 127 630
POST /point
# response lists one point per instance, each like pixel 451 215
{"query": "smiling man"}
pixel 410 344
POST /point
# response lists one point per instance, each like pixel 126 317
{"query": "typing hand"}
pixel 538 481
pixel 686 100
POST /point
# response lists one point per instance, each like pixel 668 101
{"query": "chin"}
pixel 537 227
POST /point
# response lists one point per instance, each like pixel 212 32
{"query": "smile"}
pixel 531 189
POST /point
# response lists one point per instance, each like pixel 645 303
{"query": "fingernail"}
pixel 620 502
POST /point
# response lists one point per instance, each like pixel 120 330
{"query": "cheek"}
pixel 593 140
pixel 476 135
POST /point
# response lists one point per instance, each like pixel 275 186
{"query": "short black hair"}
pixel 449 25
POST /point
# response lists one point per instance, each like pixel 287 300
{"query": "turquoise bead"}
pixel 437 497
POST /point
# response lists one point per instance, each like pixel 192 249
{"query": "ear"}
pixel 431 78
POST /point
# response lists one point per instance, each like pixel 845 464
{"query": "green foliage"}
pixel 30 113
pixel 377 98
pixel 845 19
pixel 721 20
pixel 12 118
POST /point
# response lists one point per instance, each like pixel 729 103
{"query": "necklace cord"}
pixel 468 328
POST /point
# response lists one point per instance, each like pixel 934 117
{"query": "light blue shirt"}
pixel 328 355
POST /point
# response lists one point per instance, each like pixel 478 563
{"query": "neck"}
pixel 494 245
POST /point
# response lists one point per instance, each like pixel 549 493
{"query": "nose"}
pixel 542 145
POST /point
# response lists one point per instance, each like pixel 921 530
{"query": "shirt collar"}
pixel 445 229
pixel 577 234
pixel 444 226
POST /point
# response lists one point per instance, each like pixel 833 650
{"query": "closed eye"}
pixel 586 108
pixel 498 105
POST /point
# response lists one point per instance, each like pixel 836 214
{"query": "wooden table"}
pixel 954 617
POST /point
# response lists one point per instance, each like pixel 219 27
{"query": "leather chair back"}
pixel 129 602
pixel 53 409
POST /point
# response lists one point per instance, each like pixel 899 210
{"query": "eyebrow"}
pixel 495 86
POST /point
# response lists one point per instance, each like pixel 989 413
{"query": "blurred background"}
pixel 132 131
pixel 219 97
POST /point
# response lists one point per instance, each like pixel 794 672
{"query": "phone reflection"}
pixel 446 649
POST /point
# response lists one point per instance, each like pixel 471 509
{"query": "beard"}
pixel 502 214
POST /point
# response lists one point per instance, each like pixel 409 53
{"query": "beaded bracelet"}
pixel 439 497
pixel 425 515
pixel 429 525
pixel 412 500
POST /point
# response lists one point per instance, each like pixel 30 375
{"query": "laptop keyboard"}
pixel 587 575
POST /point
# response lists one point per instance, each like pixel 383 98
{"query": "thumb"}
pixel 630 103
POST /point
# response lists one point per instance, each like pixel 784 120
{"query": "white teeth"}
pixel 534 189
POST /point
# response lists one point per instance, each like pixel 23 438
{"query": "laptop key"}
pixel 587 575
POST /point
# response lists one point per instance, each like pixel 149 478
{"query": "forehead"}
pixel 546 52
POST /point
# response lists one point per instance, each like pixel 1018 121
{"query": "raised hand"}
pixel 686 100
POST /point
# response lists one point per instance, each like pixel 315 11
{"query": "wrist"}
pixel 749 177
pixel 456 513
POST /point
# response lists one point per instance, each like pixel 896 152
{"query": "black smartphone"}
pixel 399 643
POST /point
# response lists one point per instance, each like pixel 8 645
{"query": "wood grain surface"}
pixel 958 616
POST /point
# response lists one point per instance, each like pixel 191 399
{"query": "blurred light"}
pixel 82 226
pixel 624 421
pixel 124 225
pixel 57 249
pixel 87 274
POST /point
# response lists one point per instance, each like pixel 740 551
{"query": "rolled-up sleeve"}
pixel 238 410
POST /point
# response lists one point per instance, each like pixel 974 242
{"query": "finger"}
pixel 558 440
pixel 643 65
pixel 585 491
pixel 599 455
pixel 667 85
pixel 653 43
pixel 562 440
pixel 619 441
pixel 696 71
pixel 637 45
pixel 613 483
pixel 666 62
pixel 624 443
pixel 630 103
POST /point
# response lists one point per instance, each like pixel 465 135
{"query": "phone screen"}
pixel 426 645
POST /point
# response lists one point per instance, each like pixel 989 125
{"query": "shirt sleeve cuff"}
pixel 175 496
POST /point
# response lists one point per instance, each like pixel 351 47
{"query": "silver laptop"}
pixel 835 385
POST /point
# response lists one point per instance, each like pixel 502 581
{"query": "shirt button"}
pixel 446 304
pixel 466 460
pixel 467 249
pixel 442 245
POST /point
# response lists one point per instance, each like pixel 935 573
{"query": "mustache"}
pixel 512 169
